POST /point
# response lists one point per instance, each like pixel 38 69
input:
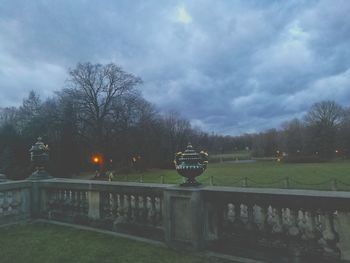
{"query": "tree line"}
pixel 101 111
pixel 322 134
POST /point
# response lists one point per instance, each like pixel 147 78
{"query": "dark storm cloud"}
pixel 228 66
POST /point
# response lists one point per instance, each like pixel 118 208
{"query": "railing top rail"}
pixel 12 185
pixel 301 199
pixel 278 192
pixel 95 185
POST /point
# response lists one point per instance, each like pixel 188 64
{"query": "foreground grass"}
pixel 45 243
pixel 260 174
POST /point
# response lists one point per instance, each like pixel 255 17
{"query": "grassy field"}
pixel 240 155
pixel 44 243
pixel 261 174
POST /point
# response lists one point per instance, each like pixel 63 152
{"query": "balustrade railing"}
pixel 311 224
pixel 14 201
pixel 290 222
pixel 125 207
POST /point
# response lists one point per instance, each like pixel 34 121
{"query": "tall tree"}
pixel 294 137
pixel 322 121
pixel 94 87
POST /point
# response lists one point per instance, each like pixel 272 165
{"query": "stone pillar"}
pixel 342 226
pixel 25 203
pixel 184 222
pixel 94 204
pixel 35 200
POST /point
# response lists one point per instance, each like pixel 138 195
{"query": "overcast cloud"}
pixel 229 66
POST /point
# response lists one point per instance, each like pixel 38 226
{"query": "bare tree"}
pixel 322 121
pixel 94 87
pixel 293 135
pixel 325 113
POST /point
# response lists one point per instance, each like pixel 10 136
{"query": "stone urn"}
pixel 190 164
pixel 39 156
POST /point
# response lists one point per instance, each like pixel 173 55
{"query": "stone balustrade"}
pixel 290 222
pixel 134 208
pixel 277 222
pixel 14 201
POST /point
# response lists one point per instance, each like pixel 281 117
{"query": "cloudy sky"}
pixel 229 66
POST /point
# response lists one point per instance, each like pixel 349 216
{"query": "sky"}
pixel 230 67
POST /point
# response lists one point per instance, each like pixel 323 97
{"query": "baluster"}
pixel 85 203
pixel 149 210
pixel 9 201
pixel 262 213
pixel 105 204
pixel 50 199
pixel 237 218
pixel 60 198
pixel 120 207
pixel 16 201
pixel 230 216
pixel 127 207
pixel 137 209
pixel 310 225
pixel 277 221
pixel 115 206
pixel 2 197
pixel 302 224
pixel 80 206
pixel 293 229
pixel 153 210
pixel 144 209
pixel 328 238
pixel 158 211
pixel 250 217
pixel 73 202
pixel 65 199
pixel 5 204
pixel 132 208
pixel 110 205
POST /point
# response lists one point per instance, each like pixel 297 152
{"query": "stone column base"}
pixel 184 223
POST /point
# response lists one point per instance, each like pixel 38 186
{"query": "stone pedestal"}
pixel 184 222
pixel 94 205
pixel 342 225
pixel 40 175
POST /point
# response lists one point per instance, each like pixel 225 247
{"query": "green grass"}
pixel 260 174
pixel 241 155
pixel 46 243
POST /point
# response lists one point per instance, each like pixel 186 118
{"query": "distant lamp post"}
pixel 190 164
pixel 39 156
pixel 97 161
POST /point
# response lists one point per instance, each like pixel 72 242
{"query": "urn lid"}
pixel 39 147
pixel 189 154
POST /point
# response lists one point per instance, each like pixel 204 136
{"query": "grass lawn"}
pixel 46 243
pixel 241 155
pixel 261 174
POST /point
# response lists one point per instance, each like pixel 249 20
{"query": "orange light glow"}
pixel 96 159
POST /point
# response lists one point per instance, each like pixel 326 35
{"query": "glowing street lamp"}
pixel 97 160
